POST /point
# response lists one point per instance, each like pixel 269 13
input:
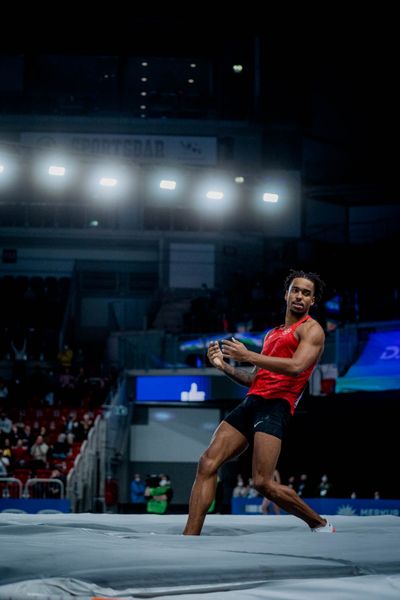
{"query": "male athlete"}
pixel 276 384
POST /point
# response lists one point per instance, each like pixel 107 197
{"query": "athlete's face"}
pixel 300 296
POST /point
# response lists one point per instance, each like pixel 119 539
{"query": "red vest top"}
pixel 281 342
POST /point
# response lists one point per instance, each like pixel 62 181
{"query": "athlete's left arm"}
pixel 308 351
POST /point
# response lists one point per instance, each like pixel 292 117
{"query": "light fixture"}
pixel 214 195
pixel 268 197
pixel 167 184
pixel 108 181
pixel 56 171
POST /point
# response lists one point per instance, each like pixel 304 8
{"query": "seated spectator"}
pixel 251 490
pixel 304 489
pixel 324 487
pixel 28 435
pixel 17 432
pixel 85 424
pixel 240 490
pixel 61 448
pixel 21 456
pixel 7 450
pixel 65 357
pixel 54 490
pixel 3 389
pixel 39 454
pixel 4 464
pixel 5 424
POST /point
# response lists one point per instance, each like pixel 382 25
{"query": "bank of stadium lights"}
pixel 237 68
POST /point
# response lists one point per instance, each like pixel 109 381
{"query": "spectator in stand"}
pixel 138 487
pixel 65 357
pixel 251 490
pixel 3 390
pixel 324 487
pixel 158 493
pixel 67 387
pixel 17 432
pixel 55 490
pixel 39 454
pixel 21 454
pixel 4 464
pixel 18 346
pixel 240 490
pixel 72 425
pixel 304 488
pixel 28 435
pixel 70 441
pixel 61 448
pixel 5 424
pixel 84 426
pixel 7 450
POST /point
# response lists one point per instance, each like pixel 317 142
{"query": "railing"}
pixel 10 487
pixel 36 487
pixel 40 487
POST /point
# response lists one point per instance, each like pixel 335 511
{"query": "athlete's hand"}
pixel 234 349
pixel 215 355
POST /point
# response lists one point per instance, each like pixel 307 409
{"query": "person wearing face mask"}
pixel 240 490
pixel 137 493
pixel 159 495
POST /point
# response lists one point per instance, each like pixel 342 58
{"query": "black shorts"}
pixel 260 414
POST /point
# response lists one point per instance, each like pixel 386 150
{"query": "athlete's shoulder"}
pixel 311 327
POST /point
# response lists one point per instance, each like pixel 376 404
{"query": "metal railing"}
pixel 43 487
pixel 10 487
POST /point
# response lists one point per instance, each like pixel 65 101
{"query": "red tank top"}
pixel 283 343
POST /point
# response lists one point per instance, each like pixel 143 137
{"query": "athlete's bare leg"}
pixel 227 442
pixel 265 457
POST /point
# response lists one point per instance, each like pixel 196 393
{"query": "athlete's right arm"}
pixel 240 376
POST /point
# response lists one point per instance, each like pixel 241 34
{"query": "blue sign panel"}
pixel 378 368
pixel 34 506
pixel 171 388
pixel 327 506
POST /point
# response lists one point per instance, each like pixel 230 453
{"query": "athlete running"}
pixel 289 355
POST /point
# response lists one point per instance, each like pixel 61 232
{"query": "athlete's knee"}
pixel 207 465
pixel 266 487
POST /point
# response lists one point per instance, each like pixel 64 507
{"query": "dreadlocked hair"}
pixel 319 285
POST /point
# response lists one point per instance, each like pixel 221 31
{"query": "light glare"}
pixel 108 182
pixel 167 184
pixel 267 197
pixel 56 171
pixel 214 195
